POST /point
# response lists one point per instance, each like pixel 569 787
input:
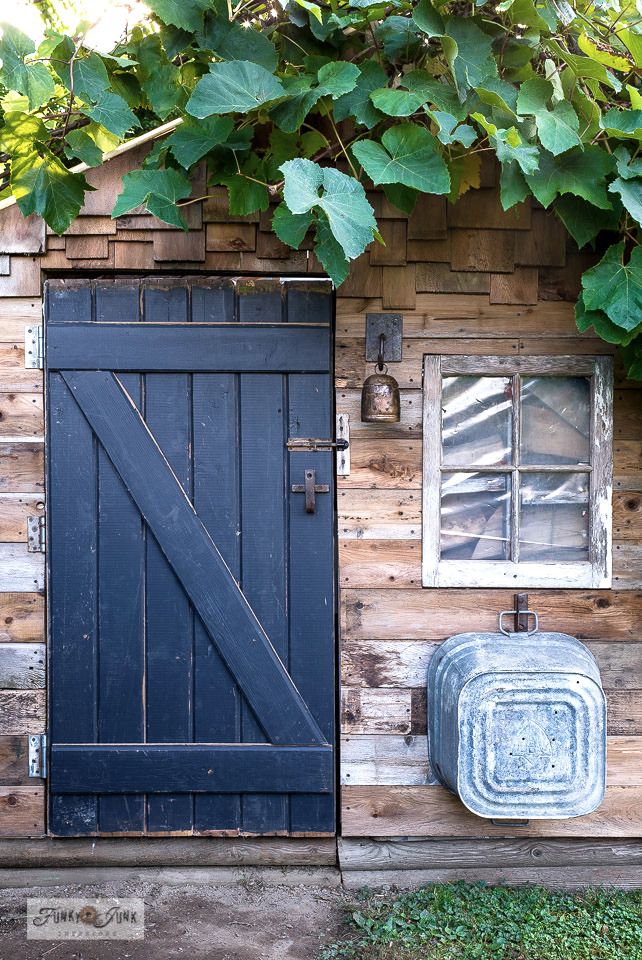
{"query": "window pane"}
pixel 554 517
pixel 475 516
pixel 556 417
pixel 476 420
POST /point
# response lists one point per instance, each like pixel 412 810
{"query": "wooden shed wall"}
pixel 468 279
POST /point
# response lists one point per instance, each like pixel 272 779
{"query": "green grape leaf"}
pixel 42 184
pixel 157 190
pixel 341 198
pixel 403 198
pixel 407 154
pixel 585 319
pixel 428 19
pixel 623 124
pixel 582 220
pixel 397 102
pixel 357 103
pixel 337 79
pixel 557 127
pixel 627 167
pixel 290 227
pixel 235 87
pixel 81 145
pixel 185 14
pixel 452 131
pixel 330 253
pixel 231 41
pixel 513 188
pixel 90 77
pixel 160 79
pixel 630 193
pixel 616 287
pixel 194 138
pixel 112 112
pixel 581 173
pixel 33 80
pixel 469 54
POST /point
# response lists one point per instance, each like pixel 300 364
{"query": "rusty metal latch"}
pixel 310 488
pixel 315 445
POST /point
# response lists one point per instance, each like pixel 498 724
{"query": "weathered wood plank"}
pixel 21 570
pixel 437 614
pixel 380 463
pixel 14 761
pixel 23 467
pixel 380 563
pixel 379 514
pixel 20 234
pixel 14 510
pixel 627 566
pixel 21 414
pixel 22 666
pixel 22 618
pixel 22 711
pixel 627 414
pixel 22 811
pixel 624 761
pixel 379 759
pixel 404 663
pixel 434 811
pixel 408 853
pixel 554 878
pixel 403 710
pixel 627 515
pixel 15 314
pixel 383 710
pixel 169 852
pixel 24 280
pixel 454 316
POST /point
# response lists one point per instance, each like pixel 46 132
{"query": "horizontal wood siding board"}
pixel 22 711
pixel 438 614
pixel 434 811
pixel 554 878
pixel 380 759
pixel 19 569
pixel 22 666
pixel 200 768
pixel 22 618
pixel 191 347
pixel 142 852
pixel 22 811
pixel 14 761
pixel 408 853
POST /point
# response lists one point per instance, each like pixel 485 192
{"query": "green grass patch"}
pixel 463 921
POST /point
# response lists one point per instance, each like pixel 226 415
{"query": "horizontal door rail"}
pixel 188 347
pixel 190 768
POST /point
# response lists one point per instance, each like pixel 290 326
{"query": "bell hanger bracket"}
pixel 390 325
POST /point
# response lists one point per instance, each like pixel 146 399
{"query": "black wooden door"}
pixel 191 595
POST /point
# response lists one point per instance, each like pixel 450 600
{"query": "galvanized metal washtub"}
pixel 517 724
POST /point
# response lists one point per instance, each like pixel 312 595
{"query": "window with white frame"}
pixel 517 471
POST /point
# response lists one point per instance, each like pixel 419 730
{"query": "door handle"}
pixel 310 488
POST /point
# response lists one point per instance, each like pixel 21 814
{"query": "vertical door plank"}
pixel 312 579
pixel 217 707
pixel 73 594
pixel 264 575
pixel 169 619
pixel 121 592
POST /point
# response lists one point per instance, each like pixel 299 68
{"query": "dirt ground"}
pixel 253 917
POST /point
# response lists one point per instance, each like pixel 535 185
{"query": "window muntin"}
pixel 516 486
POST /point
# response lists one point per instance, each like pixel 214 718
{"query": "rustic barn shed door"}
pixel 191 592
